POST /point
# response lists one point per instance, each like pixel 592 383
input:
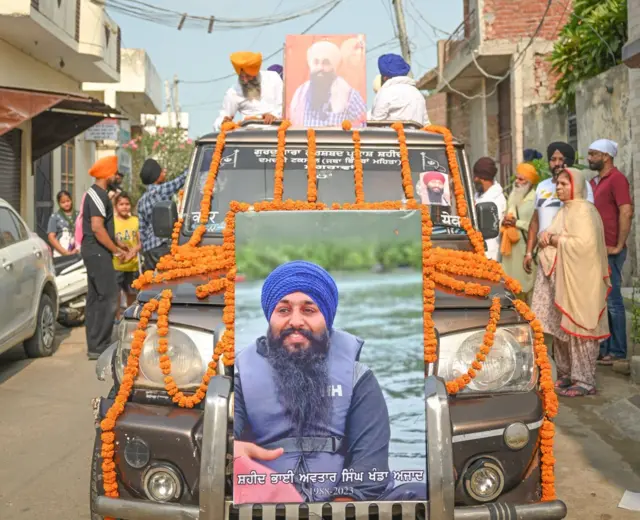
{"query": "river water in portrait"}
pixel 385 310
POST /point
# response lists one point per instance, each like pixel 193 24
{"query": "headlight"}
pixel 509 367
pixel 190 352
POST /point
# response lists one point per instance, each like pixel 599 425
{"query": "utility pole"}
pixel 168 100
pixel 176 100
pixel 402 31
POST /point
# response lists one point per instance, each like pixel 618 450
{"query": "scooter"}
pixel 71 281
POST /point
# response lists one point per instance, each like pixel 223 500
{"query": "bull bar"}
pixel 441 479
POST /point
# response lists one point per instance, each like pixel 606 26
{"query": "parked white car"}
pixel 28 294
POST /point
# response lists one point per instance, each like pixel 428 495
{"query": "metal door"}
pixel 504 131
pixel 43 170
pixel 10 167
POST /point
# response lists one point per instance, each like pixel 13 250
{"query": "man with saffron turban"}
pixel 326 99
pixel 398 99
pixel 303 401
pixel 515 225
pixel 257 94
pixel 98 248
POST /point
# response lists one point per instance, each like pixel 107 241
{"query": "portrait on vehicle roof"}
pixel 329 368
pixel 326 77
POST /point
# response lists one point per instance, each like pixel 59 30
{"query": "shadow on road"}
pixel 15 360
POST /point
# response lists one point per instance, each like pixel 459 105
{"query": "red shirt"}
pixel 609 193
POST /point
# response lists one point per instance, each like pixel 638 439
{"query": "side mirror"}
pixel 488 219
pixel 164 216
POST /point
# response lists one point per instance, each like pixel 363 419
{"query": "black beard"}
pixel 434 196
pixel 596 166
pixel 302 381
pixel 320 89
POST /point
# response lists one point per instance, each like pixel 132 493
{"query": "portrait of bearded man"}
pixel 433 189
pixel 326 99
pixel 304 403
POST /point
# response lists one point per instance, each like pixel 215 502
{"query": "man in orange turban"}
pixel 257 94
pixel 520 208
pixel 98 248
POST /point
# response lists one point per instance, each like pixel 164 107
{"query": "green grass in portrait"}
pixel 348 241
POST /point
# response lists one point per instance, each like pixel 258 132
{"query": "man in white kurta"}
pixel 398 98
pixel 489 190
pixel 257 93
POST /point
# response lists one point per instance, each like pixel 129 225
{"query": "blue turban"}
pixel 392 65
pixel 304 277
pixel 276 68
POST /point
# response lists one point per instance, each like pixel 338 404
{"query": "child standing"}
pixel 127 233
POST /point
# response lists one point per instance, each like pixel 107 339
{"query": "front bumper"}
pixel 213 506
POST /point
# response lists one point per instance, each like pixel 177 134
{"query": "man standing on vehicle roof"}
pixel 153 176
pixel 489 190
pixel 398 99
pixel 326 99
pixel 303 402
pixel 547 204
pixel 99 246
pixel 257 94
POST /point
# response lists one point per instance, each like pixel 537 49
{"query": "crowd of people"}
pixel 115 245
pixel 564 239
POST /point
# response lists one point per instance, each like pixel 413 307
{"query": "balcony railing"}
pixel 461 37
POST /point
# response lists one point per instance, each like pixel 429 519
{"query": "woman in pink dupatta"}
pixel 573 252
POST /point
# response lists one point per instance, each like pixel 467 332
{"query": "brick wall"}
pixel 437 108
pixel 544 79
pixel 517 19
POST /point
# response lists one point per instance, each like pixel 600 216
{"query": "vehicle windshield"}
pixel 246 174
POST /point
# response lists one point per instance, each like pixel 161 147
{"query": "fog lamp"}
pixel 484 480
pixel 162 484
pixel 516 436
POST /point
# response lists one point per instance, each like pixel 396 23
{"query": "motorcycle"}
pixel 71 281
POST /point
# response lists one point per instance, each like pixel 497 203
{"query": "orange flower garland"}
pixel 439 268
pixel 312 179
pixel 278 180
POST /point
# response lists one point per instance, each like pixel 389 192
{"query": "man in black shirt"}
pixel 98 249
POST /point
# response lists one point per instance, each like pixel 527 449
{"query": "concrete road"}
pixel 46 424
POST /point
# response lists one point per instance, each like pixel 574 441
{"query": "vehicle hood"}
pixel 184 293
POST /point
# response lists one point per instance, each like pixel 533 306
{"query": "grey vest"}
pixel 271 429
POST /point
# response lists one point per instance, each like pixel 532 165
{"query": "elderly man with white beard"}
pixel 326 99
pixel 520 208
pixel 258 93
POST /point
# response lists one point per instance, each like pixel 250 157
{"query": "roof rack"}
pixel 370 124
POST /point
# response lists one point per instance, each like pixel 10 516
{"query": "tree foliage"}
pixel 588 45
pixel 168 146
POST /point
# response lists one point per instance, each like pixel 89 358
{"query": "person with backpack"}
pixel 98 248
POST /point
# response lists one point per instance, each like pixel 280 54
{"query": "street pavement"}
pixel 47 429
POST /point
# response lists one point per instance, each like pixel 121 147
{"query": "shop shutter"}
pixel 10 161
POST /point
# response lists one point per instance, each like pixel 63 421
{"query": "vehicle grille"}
pixel 330 511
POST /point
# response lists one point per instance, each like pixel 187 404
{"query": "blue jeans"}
pixel 616 345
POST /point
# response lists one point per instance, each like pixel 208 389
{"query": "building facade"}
pixel 491 69
pixel 49 52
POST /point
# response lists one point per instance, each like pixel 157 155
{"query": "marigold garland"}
pixel 439 268
pixel 312 179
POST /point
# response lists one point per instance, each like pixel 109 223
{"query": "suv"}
pixel 28 275
pixel 482 444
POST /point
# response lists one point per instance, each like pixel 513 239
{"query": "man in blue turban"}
pixel 303 403
pixel 277 69
pixel 398 98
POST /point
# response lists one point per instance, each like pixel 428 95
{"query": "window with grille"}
pixel 68 167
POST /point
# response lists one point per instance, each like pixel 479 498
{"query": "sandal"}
pixel 563 382
pixel 605 360
pixel 576 391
